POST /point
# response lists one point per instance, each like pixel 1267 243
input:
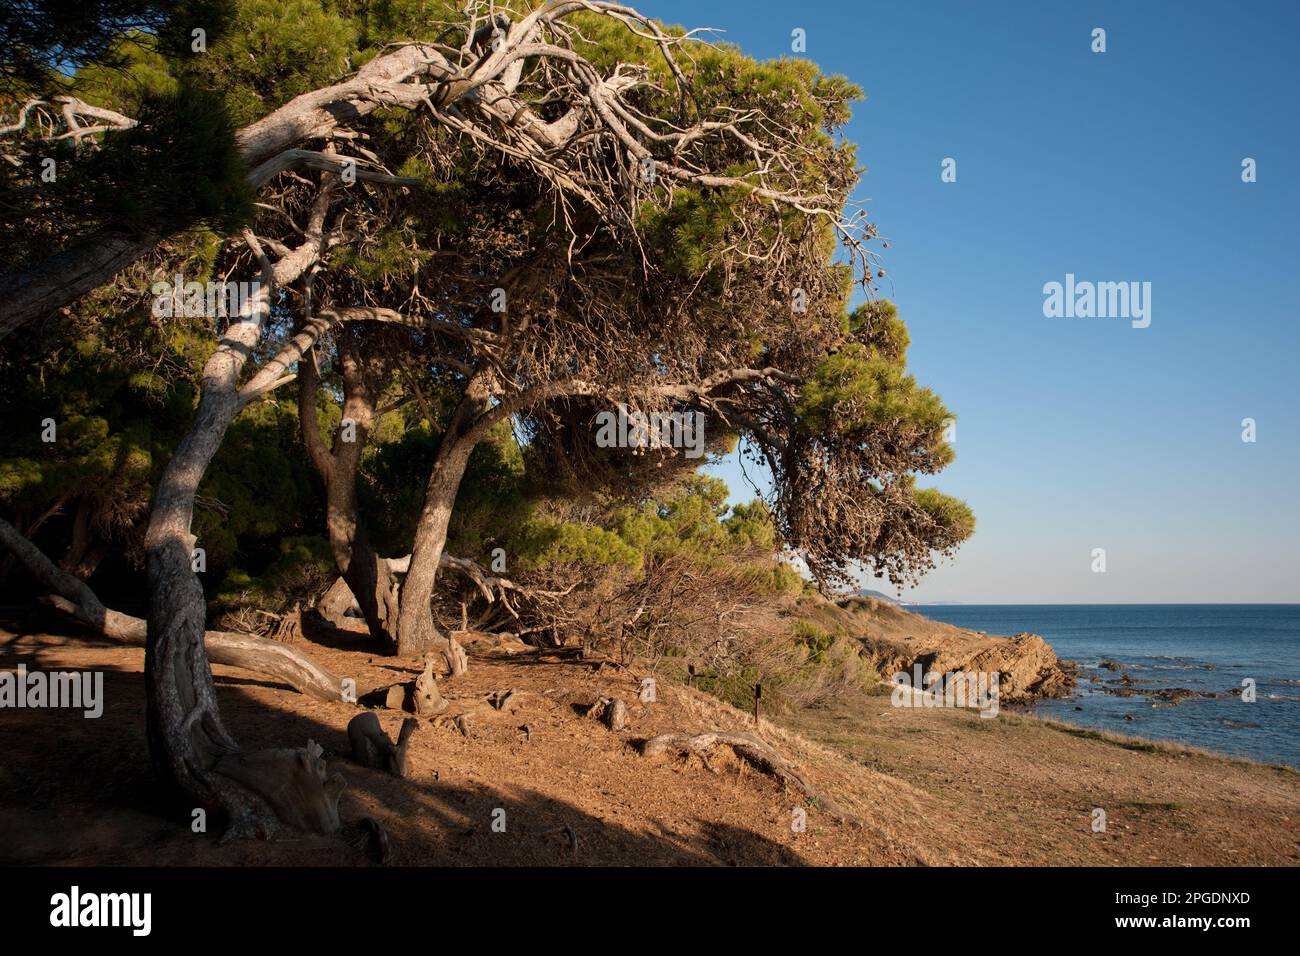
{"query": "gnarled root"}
pixel 754 752
pixel 294 782
pixel 371 747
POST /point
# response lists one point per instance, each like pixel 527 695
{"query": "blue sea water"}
pixel 1199 647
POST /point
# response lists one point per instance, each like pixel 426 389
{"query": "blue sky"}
pixel 1077 433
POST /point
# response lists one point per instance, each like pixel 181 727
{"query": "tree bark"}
pixel 65 277
pixel 187 738
pixel 370 578
pixel 190 747
pixel 416 633
pixel 471 422
pixel 367 575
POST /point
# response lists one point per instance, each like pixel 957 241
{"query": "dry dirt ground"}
pixel 925 786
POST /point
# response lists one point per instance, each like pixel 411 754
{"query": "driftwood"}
pixel 754 752
pixel 258 654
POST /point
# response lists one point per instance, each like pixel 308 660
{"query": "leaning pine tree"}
pixel 661 224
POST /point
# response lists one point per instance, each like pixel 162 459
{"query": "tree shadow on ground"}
pixel 507 823
pixel 81 791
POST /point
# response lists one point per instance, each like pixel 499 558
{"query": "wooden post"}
pixel 758 694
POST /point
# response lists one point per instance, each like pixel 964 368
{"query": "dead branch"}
pixel 74 119
pixel 216 505
pixel 496 99
pixel 260 655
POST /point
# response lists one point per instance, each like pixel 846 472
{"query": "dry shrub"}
pixel 717 622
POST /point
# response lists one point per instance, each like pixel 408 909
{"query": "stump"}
pixel 615 716
pixel 427 699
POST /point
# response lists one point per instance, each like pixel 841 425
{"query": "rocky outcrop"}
pixel 897 641
pixel 1026 665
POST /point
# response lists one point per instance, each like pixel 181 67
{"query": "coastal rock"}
pixel 1027 666
pixel 896 641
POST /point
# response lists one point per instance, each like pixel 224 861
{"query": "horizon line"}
pixel 1102 603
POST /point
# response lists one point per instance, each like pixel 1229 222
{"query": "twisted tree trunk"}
pixel 368 576
pixel 406 623
pixel 187 738
pixel 191 749
pixel 474 417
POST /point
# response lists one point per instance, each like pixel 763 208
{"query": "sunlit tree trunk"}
pixel 416 632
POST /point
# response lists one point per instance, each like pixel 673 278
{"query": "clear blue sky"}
pixel 1073 433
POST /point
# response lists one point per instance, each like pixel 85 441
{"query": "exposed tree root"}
pixel 754 752
pixel 336 602
pixel 295 783
pixel 371 747
pixel 374 838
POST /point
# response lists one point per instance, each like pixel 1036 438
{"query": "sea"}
pixel 1136 650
